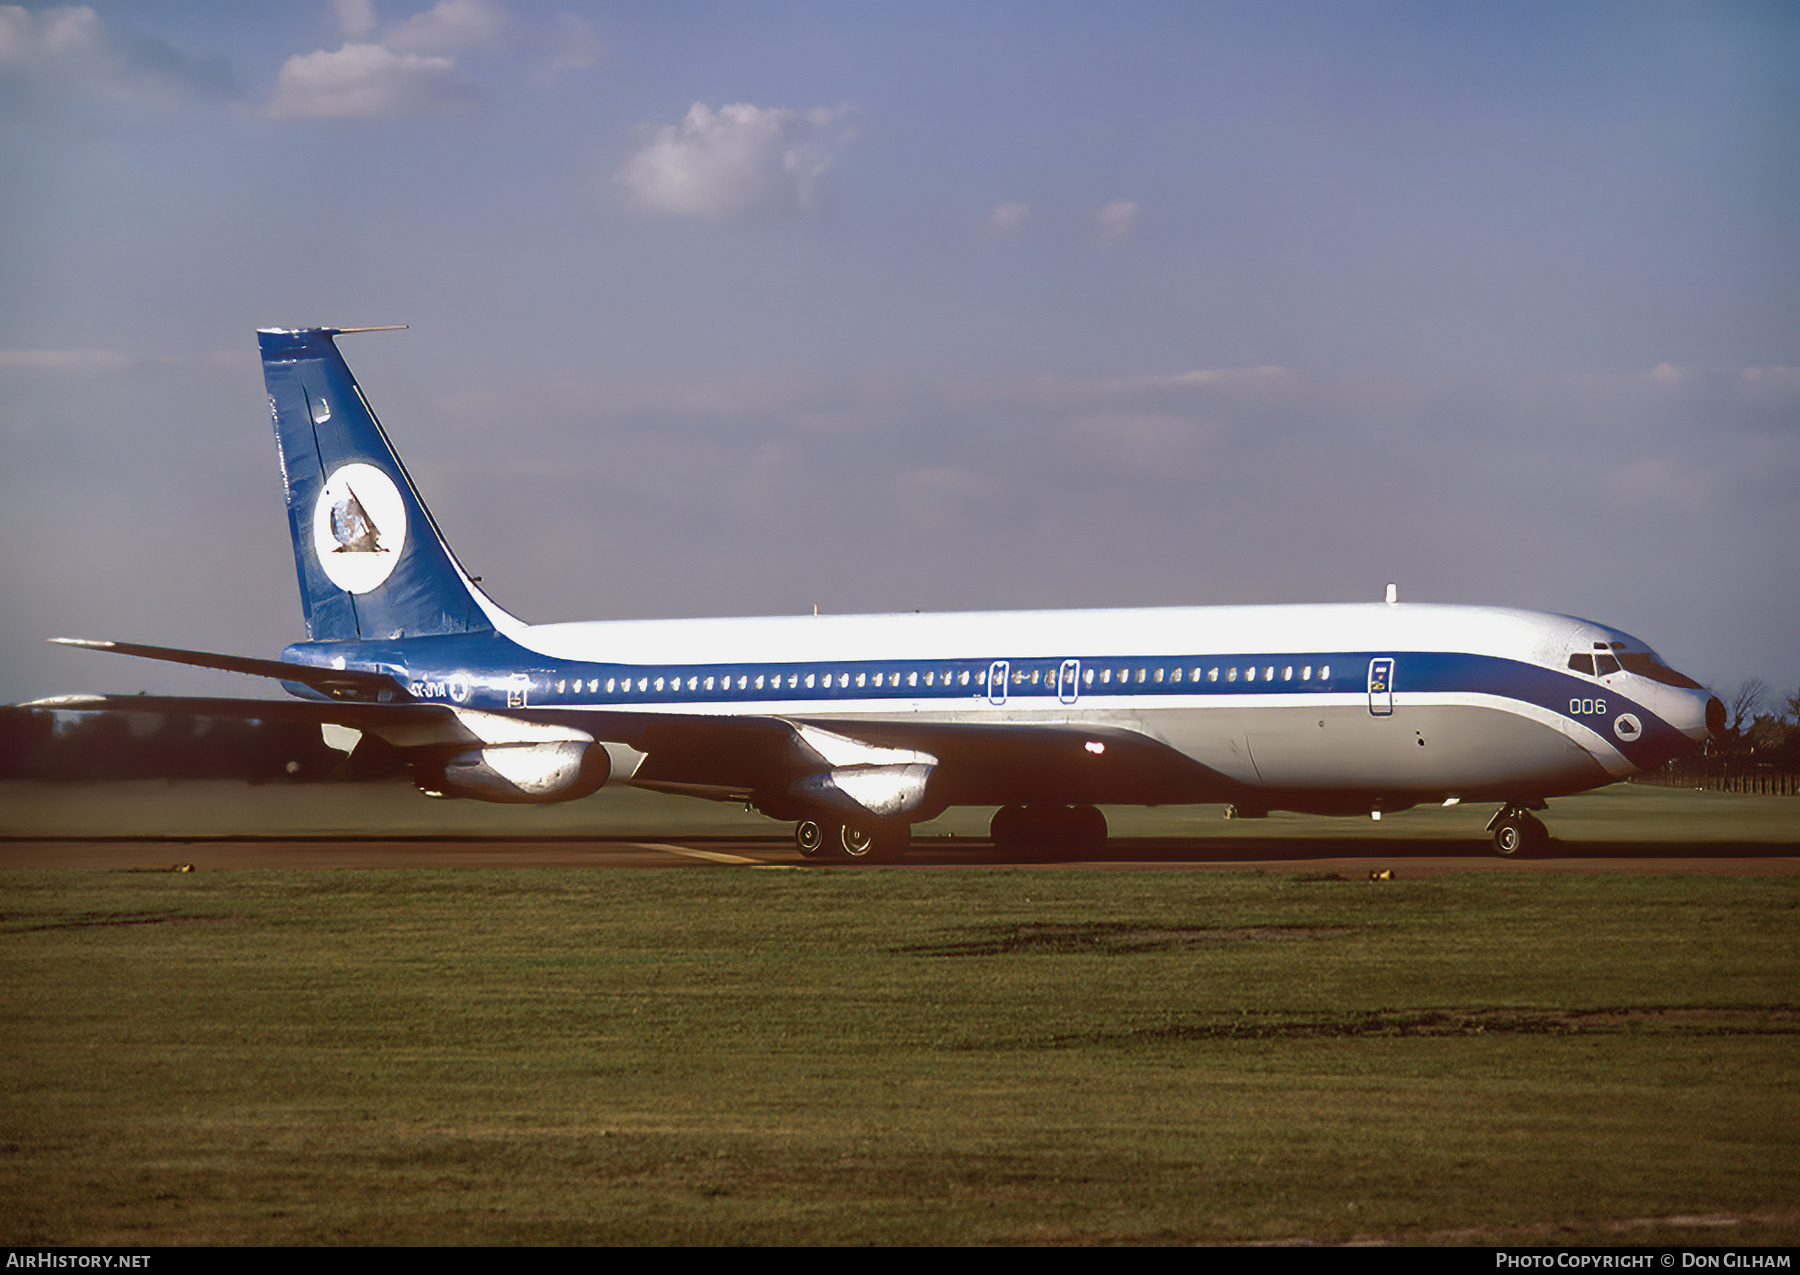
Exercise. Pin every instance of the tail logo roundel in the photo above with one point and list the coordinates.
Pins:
(359, 527)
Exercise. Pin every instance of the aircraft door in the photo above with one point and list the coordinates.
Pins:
(1068, 681)
(997, 675)
(1381, 686)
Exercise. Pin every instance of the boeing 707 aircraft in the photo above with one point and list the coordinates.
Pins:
(854, 728)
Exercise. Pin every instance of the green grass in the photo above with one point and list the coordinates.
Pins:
(985, 1056)
(1623, 813)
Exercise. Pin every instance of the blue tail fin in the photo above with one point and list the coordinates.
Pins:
(371, 560)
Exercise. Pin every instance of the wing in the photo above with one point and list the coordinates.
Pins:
(340, 684)
(908, 769)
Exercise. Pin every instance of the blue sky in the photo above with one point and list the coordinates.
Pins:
(739, 309)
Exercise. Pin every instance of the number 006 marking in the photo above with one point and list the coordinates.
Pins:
(1587, 708)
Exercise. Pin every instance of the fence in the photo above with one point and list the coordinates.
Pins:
(1765, 782)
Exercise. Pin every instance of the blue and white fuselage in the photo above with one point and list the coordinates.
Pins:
(1340, 707)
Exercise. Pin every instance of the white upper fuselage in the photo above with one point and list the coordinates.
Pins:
(1138, 631)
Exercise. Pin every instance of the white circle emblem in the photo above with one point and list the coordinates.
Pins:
(359, 527)
(1627, 727)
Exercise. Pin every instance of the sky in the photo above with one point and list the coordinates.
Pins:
(736, 309)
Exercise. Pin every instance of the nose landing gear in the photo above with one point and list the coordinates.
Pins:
(1517, 832)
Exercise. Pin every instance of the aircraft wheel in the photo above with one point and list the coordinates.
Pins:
(809, 838)
(1519, 833)
(1010, 827)
(877, 843)
(1065, 831)
(1048, 828)
(1088, 826)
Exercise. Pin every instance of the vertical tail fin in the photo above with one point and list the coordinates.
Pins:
(371, 561)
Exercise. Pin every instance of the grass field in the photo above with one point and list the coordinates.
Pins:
(736, 1055)
(1621, 814)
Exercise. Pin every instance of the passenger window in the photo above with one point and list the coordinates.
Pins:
(1231, 674)
(1212, 674)
(1159, 676)
(964, 679)
(1325, 672)
(1087, 677)
(1287, 673)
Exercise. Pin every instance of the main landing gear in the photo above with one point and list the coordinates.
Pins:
(1517, 832)
(1061, 828)
(857, 843)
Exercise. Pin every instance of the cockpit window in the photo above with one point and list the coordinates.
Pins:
(1604, 664)
(1582, 664)
(1644, 664)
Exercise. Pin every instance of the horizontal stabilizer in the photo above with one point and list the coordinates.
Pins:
(339, 684)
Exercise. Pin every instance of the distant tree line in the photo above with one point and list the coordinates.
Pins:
(46, 744)
(1759, 750)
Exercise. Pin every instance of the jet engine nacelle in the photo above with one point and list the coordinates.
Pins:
(526, 773)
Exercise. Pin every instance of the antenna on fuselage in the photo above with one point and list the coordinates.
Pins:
(1393, 593)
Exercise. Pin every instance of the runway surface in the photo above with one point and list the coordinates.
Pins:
(1349, 858)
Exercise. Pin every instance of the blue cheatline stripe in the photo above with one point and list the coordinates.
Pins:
(491, 672)
(490, 664)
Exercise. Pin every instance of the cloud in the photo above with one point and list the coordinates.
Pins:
(53, 33)
(574, 47)
(355, 18)
(368, 82)
(1117, 221)
(448, 26)
(68, 55)
(1007, 218)
(63, 362)
(407, 71)
(741, 161)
